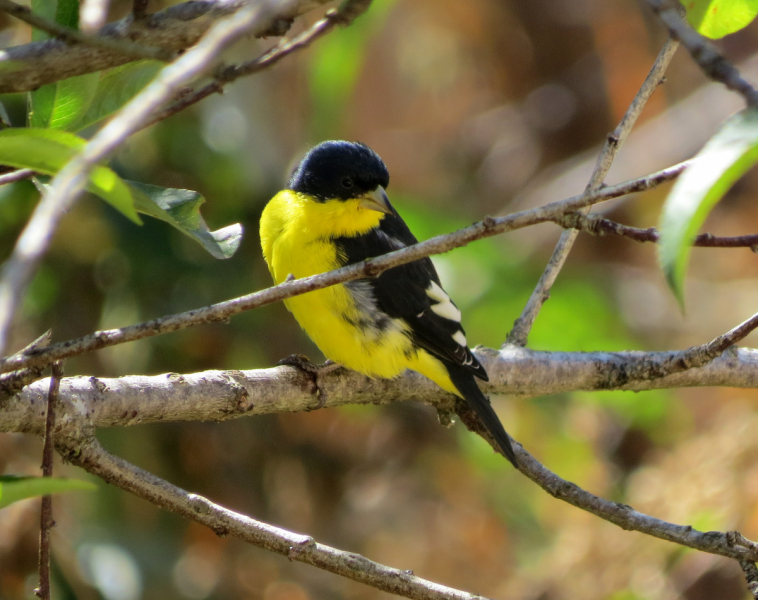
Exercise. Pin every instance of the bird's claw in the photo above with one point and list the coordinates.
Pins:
(314, 373)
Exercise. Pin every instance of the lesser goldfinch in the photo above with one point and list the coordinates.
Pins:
(335, 212)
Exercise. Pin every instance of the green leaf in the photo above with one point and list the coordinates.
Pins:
(717, 18)
(721, 162)
(115, 88)
(47, 150)
(15, 487)
(181, 209)
(62, 105)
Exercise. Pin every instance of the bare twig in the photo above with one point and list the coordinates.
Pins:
(69, 182)
(122, 46)
(347, 13)
(597, 225)
(15, 381)
(17, 175)
(176, 29)
(371, 268)
(705, 54)
(46, 511)
(91, 456)
(523, 325)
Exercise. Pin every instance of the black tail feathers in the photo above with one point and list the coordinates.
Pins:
(467, 386)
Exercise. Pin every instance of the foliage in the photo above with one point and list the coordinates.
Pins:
(717, 18)
(15, 487)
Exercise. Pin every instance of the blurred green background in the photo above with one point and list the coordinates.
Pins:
(473, 106)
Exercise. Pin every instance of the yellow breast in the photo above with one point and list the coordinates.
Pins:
(296, 235)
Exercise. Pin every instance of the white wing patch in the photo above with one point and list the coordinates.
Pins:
(444, 307)
(460, 338)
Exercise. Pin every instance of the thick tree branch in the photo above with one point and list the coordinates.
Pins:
(91, 456)
(68, 184)
(224, 395)
(224, 310)
(523, 325)
(73, 36)
(25, 68)
(600, 226)
(705, 54)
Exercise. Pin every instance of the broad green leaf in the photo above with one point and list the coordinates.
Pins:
(721, 162)
(62, 105)
(717, 18)
(47, 150)
(15, 487)
(181, 209)
(115, 88)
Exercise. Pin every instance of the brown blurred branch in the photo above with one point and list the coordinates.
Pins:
(597, 225)
(523, 324)
(371, 268)
(92, 457)
(73, 36)
(713, 64)
(175, 29)
(46, 509)
(347, 13)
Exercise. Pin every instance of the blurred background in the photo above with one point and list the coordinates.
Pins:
(478, 107)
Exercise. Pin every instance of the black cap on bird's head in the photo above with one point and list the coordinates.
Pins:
(339, 170)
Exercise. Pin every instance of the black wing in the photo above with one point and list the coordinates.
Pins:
(412, 292)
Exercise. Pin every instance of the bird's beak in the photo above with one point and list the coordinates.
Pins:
(376, 200)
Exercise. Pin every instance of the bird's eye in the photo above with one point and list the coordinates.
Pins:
(347, 182)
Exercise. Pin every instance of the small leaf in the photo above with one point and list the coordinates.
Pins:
(181, 209)
(15, 487)
(721, 162)
(717, 18)
(115, 88)
(47, 150)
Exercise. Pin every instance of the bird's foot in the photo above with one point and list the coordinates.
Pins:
(313, 372)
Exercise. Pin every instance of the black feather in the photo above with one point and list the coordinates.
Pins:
(480, 404)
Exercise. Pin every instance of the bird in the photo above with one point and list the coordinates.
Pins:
(335, 212)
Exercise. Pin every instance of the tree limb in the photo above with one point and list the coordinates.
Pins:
(371, 268)
(713, 64)
(27, 67)
(74, 36)
(92, 457)
(224, 395)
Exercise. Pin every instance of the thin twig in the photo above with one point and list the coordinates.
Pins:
(523, 325)
(70, 181)
(371, 268)
(713, 64)
(125, 47)
(91, 456)
(347, 13)
(46, 511)
(600, 226)
(17, 175)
